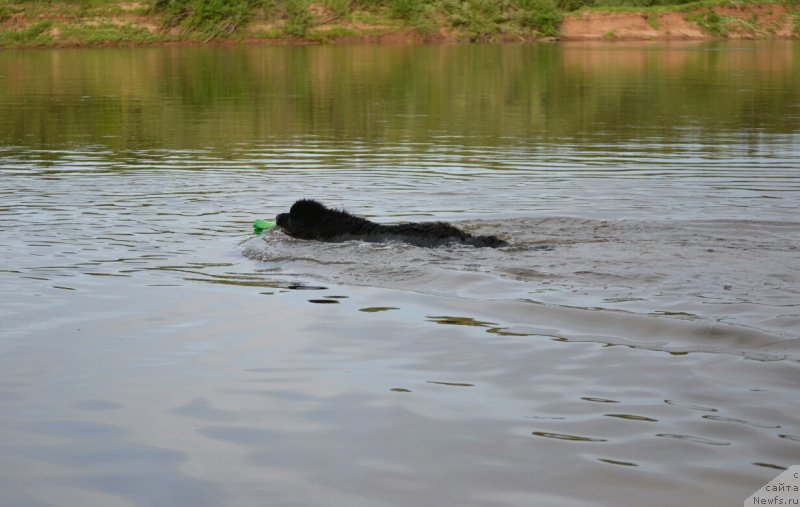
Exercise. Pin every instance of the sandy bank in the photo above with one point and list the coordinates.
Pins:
(739, 22)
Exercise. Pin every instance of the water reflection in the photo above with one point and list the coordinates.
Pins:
(228, 98)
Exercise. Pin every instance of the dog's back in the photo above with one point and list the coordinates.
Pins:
(442, 233)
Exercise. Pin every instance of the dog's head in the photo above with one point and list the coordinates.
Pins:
(302, 219)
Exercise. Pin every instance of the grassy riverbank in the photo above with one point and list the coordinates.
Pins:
(57, 23)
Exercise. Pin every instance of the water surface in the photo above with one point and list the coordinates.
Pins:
(155, 352)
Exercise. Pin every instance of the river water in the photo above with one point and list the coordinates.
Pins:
(637, 344)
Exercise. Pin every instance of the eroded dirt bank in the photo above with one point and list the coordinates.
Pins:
(739, 22)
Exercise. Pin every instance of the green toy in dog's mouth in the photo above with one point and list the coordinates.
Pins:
(262, 225)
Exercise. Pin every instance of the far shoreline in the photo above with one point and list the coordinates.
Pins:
(134, 25)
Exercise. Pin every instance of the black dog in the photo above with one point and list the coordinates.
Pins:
(309, 219)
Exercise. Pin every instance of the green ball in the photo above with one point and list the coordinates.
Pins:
(262, 224)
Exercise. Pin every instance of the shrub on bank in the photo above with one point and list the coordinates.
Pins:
(211, 18)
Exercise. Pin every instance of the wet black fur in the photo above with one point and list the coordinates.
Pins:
(309, 219)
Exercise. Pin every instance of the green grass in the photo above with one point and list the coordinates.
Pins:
(340, 8)
(298, 18)
(37, 34)
(543, 16)
(712, 23)
(486, 19)
(271, 33)
(407, 9)
(630, 6)
(330, 34)
(6, 11)
(40, 33)
(478, 19)
(719, 25)
(376, 18)
(106, 33)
